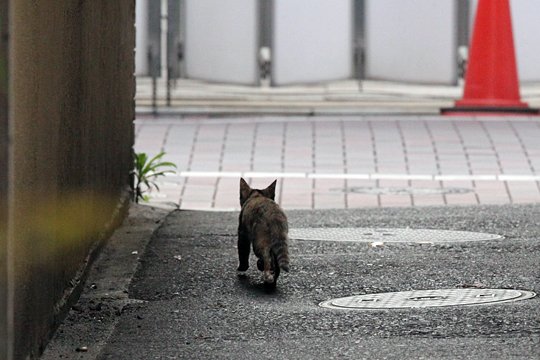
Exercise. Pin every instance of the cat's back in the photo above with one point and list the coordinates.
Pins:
(261, 210)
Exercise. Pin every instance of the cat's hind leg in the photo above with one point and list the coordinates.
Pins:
(243, 252)
(275, 268)
(268, 273)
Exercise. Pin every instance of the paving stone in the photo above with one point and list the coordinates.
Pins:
(476, 150)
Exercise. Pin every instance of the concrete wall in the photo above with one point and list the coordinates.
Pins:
(3, 177)
(71, 111)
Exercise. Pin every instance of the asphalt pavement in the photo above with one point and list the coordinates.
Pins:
(165, 286)
(185, 300)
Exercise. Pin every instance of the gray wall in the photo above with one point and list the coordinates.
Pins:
(71, 91)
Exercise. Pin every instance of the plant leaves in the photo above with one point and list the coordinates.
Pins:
(147, 169)
(152, 162)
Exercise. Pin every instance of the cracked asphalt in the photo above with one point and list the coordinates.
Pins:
(188, 303)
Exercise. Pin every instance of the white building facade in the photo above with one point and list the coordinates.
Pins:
(312, 41)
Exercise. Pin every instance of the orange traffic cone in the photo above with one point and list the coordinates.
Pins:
(491, 81)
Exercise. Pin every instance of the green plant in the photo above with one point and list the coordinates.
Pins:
(145, 173)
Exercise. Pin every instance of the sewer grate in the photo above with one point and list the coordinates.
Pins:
(427, 298)
(388, 235)
(371, 190)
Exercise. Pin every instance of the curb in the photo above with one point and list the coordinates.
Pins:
(91, 321)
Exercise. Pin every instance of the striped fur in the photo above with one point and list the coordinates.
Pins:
(262, 225)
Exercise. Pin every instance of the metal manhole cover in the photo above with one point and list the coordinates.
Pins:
(427, 298)
(388, 235)
(370, 190)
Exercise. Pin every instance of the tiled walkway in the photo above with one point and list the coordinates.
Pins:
(346, 162)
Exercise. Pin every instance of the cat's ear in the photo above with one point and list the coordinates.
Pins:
(244, 191)
(270, 191)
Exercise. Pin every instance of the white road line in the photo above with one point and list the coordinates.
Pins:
(400, 177)
(338, 176)
(518, 177)
(482, 177)
(355, 176)
(210, 174)
(276, 175)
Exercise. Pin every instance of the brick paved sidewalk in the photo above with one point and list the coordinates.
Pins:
(348, 161)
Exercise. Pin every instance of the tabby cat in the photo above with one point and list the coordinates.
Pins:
(263, 225)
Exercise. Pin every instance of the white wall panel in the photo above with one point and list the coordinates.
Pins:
(526, 27)
(221, 40)
(312, 41)
(141, 37)
(412, 41)
(526, 24)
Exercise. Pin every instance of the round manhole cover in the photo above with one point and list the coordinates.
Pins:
(370, 190)
(388, 235)
(427, 298)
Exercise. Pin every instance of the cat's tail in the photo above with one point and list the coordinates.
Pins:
(281, 253)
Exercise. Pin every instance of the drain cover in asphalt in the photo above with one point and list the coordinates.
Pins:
(427, 298)
(388, 235)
